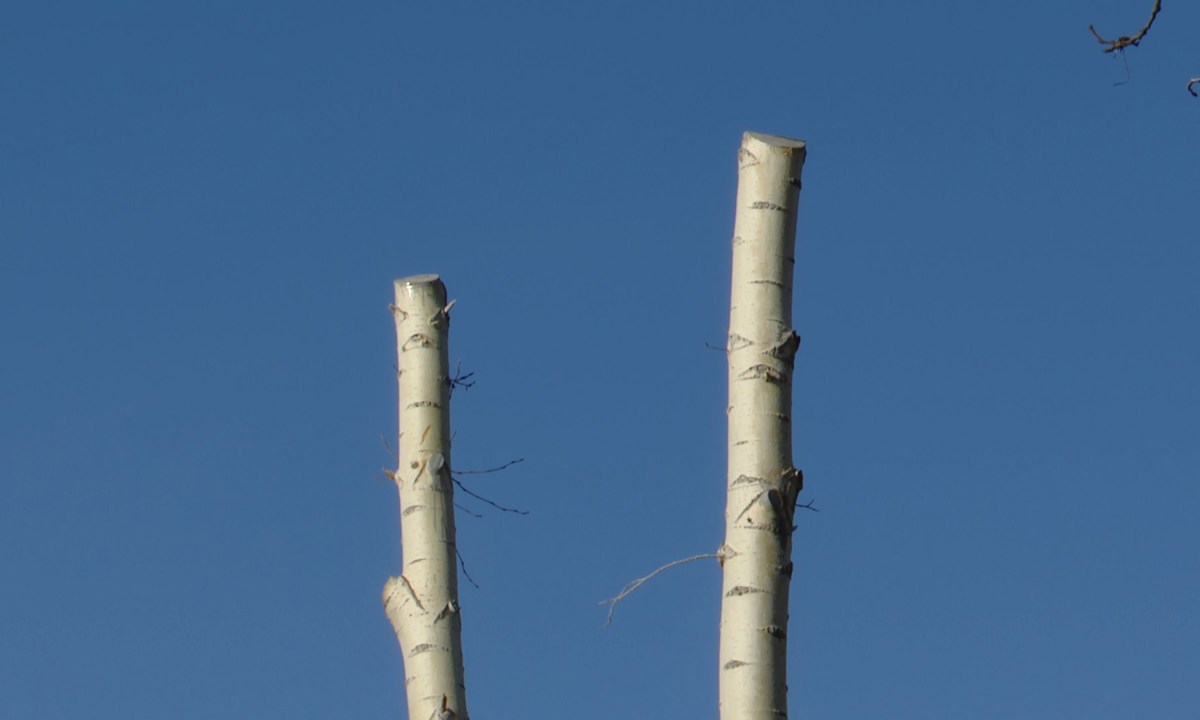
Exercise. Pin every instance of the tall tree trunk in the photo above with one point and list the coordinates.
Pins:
(422, 603)
(762, 482)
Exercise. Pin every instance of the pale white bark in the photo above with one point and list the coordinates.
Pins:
(762, 483)
(422, 603)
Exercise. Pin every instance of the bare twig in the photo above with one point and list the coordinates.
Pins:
(1128, 74)
(1125, 41)
(510, 463)
(390, 451)
(477, 496)
(628, 589)
(463, 565)
(459, 380)
(472, 513)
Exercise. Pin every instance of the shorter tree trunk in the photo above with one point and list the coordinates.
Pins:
(422, 603)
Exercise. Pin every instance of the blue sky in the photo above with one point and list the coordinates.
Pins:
(202, 208)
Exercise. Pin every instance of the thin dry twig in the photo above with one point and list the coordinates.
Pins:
(464, 508)
(387, 447)
(477, 496)
(628, 589)
(463, 566)
(460, 380)
(1125, 41)
(510, 463)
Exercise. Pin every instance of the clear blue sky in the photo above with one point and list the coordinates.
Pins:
(202, 208)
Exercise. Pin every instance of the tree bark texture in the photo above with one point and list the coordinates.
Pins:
(762, 482)
(422, 603)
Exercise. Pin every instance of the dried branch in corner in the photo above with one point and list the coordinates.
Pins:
(1125, 41)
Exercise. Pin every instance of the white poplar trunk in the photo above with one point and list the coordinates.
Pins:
(422, 603)
(762, 482)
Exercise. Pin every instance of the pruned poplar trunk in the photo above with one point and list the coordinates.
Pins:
(422, 603)
(762, 482)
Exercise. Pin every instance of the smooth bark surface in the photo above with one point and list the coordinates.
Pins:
(422, 603)
(762, 482)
